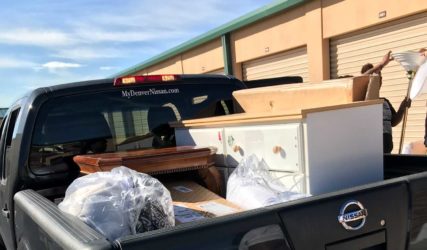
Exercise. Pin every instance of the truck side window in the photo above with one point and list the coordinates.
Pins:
(2, 139)
(9, 132)
(3, 132)
(61, 134)
(2, 122)
(11, 127)
(2, 128)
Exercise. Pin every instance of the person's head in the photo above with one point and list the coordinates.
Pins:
(369, 66)
(366, 67)
(95, 146)
(99, 146)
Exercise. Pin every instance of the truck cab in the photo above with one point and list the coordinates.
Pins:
(43, 130)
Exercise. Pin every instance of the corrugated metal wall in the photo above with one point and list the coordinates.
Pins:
(349, 53)
(290, 63)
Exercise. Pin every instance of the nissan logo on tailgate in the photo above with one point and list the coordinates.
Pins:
(352, 215)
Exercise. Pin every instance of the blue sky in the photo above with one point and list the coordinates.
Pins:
(45, 42)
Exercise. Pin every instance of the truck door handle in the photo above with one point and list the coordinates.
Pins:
(5, 212)
(267, 237)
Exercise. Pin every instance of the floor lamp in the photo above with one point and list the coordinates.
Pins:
(410, 61)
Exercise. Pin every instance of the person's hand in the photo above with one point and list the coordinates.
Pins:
(423, 52)
(386, 59)
(406, 102)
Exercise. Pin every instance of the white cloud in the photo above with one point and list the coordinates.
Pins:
(104, 52)
(135, 26)
(104, 34)
(170, 15)
(60, 65)
(87, 53)
(99, 35)
(37, 81)
(166, 19)
(82, 34)
(108, 68)
(26, 36)
(11, 63)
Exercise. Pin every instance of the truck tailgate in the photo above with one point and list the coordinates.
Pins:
(310, 223)
(394, 217)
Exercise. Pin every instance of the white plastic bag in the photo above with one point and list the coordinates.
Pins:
(119, 203)
(252, 186)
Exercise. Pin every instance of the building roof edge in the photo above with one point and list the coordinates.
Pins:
(233, 25)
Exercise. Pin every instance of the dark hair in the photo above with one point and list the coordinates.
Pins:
(95, 146)
(366, 67)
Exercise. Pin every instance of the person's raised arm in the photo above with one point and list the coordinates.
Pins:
(377, 68)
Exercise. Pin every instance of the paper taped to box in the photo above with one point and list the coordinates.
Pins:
(193, 202)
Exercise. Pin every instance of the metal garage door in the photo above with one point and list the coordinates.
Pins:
(290, 63)
(350, 52)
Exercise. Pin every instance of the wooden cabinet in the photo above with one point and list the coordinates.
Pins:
(280, 145)
(157, 162)
(318, 151)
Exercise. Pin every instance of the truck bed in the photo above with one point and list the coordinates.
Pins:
(309, 223)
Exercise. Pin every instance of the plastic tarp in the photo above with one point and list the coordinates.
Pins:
(119, 203)
(252, 186)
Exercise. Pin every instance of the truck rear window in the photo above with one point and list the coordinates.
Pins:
(118, 120)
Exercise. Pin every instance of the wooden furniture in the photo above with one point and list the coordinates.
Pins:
(292, 98)
(158, 161)
(314, 151)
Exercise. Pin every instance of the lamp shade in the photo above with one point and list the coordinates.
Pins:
(419, 84)
(409, 60)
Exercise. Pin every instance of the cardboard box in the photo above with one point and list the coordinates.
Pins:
(292, 98)
(193, 202)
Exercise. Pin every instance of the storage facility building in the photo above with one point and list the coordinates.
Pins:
(314, 39)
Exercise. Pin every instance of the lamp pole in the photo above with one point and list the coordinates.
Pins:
(410, 74)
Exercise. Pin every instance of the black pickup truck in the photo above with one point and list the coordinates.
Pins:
(45, 129)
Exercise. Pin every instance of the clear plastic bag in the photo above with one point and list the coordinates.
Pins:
(119, 203)
(252, 186)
